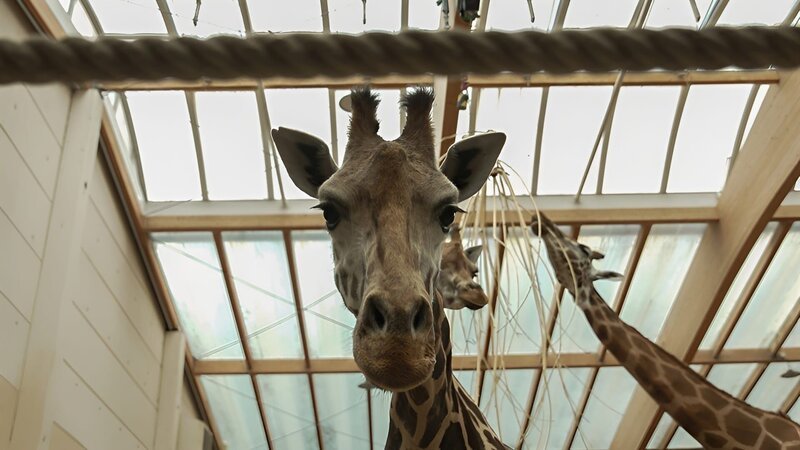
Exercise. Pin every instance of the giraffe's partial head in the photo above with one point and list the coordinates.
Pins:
(388, 210)
(459, 267)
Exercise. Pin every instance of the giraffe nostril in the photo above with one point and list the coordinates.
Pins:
(421, 318)
(377, 317)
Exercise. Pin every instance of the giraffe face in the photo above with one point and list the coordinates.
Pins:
(456, 282)
(388, 210)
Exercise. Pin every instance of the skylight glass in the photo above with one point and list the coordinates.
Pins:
(273, 15)
(301, 109)
(553, 412)
(329, 324)
(289, 411)
(166, 145)
(735, 291)
(194, 277)
(609, 399)
(675, 14)
(599, 13)
(639, 138)
(232, 147)
(572, 121)
(342, 408)
(347, 16)
(388, 116)
(261, 277)
(666, 257)
(215, 17)
(503, 400)
(774, 298)
(515, 16)
(771, 390)
(746, 12)
(82, 22)
(705, 138)
(424, 15)
(235, 410)
(129, 17)
(762, 92)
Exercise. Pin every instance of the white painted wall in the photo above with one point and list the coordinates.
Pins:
(104, 388)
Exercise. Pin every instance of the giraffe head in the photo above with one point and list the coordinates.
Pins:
(456, 282)
(388, 210)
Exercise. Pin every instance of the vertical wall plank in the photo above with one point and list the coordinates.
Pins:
(170, 399)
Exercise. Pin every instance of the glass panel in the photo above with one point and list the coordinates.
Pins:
(771, 390)
(166, 145)
(261, 275)
(793, 340)
(424, 15)
(705, 138)
(773, 299)
(515, 111)
(514, 16)
(329, 324)
(759, 100)
(735, 291)
(503, 400)
(599, 13)
(665, 259)
(557, 399)
(381, 401)
(233, 405)
(388, 116)
(343, 416)
(129, 17)
(273, 15)
(663, 427)
(572, 332)
(287, 405)
(347, 16)
(794, 413)
(610, 395)
(216, 17)
(571, 125)
(82, 22)
(746, 12)
(730, 377)
(232, 149)
(312, 117)
(467, 380)
(682, 439)
(674, 14)
(191, 268)
(637, 147)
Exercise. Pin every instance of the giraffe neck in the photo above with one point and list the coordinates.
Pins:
(439, 413)
(710, 415)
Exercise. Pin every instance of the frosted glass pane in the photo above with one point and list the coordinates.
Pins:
(663, 427)
(572, 121)
(166, 145)
(730, 377)
(381, 401)
(682, 439)
(748, 12)
(665, 259)
(233, 405)
(274, 16)
(82, 22)
(554, 408)
(216, 17)
(599, 13)
(503, 401)
(388, 116)
(637, 147)
(312, 117)
(515, 16)
(759, 100)
(287, 405)
(793, 340)
(343, 415)
(794, 413)
(129, 17)
(675, 14)
(347, 16)
(232, 148)
(514, 111)
(771, 390)
(192, 271)
(468, 380)
(329, 324)
(424, 15)
(572, 332)
(609, 399)
(735, 291)
(773, 299)
(261, 276)
(705, 139)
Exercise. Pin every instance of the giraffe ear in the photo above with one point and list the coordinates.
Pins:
(306, 158)
(470, 161)
(473, 253)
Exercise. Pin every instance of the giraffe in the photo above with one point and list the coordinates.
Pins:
(388, 210)
(714, 418)
(457, 271)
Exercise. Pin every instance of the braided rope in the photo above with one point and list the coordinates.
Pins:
(408, 53)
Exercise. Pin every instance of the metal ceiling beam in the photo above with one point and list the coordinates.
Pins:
(765, 172)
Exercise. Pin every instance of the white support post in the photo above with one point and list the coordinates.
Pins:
(169, 396)
(33, 418)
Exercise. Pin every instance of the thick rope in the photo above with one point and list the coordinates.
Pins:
(408, 53)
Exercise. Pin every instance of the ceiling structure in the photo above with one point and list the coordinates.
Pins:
(234, 251)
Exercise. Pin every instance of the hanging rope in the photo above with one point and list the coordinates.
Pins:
(408, 53)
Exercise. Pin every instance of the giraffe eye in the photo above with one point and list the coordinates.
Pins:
(447, 216)
(331, 215)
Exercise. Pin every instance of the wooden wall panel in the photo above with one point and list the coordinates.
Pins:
(13, 341)
(60, 439)
(19, 266)
(8, 406)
